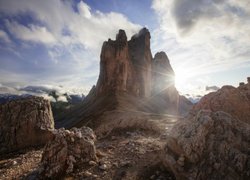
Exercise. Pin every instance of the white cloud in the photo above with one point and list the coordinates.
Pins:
(62, 99)
(202, 37)
(43, 91)
(220, 26)
(64, 24)
(72, 34)
(4, 36)
(31, 33)
(84, 10)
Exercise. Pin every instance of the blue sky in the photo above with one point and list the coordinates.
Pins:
(57, 43)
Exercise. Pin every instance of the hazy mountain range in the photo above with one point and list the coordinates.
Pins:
(64, 95)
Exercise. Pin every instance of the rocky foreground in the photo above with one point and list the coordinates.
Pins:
(25, 122)
(139, 130)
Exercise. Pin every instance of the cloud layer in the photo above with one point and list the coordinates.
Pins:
(65, 23)
(204, 36)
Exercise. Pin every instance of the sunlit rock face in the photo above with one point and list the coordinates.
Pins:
(209, 145)
(162, 72)
(163, 86)
(24, 123)
(235, 101)
(126, 65)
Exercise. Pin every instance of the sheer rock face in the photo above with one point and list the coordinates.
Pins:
(66, 151)
(126, 65)
(128, 81)
(235, 101)
(141, 57)
(163, 81)
(24, 123)
(210, 145)
(163, 74)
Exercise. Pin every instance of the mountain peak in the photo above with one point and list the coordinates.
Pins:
(121, 36)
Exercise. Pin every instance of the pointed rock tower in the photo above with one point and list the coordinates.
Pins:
(130, 80)
(126, 65)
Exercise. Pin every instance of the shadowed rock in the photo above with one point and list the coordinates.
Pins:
(24, 123)
(126, 65)
(209, 145)
(235, 101)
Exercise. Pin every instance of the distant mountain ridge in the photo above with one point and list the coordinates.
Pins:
(60, 101)
(10, 97)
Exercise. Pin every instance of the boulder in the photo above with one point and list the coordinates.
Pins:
(209, 145)
(235, 101)
(24, 123)
(67, 150)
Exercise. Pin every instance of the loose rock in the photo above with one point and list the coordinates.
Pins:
(61, 155)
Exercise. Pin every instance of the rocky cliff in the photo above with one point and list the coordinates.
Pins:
(162, 73)
(164, 92)
(235, 101)
(25, 122)
(129, 80)
(213, 141)
(126, 65)
(208, 145)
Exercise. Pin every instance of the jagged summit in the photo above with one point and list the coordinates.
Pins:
(163, 73)
(143, 32)
(125, 66)
(162, 58)
(129, 80)
(121, 36)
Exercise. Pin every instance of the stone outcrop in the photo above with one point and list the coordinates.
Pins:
(25, 122)
(163, 74)
(67, 150)
(163, 78)
(129, 80)
(126, 65)
(210, 145)
(141, 57)
(235, 101)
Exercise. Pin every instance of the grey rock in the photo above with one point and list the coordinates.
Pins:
(61, 155)
(209, 145)
(24, 123)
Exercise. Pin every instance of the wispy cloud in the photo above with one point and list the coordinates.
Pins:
(31, 33)
(65, 24)
(4, 36)
(71, 34)
(203, 37)
(217, 29)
